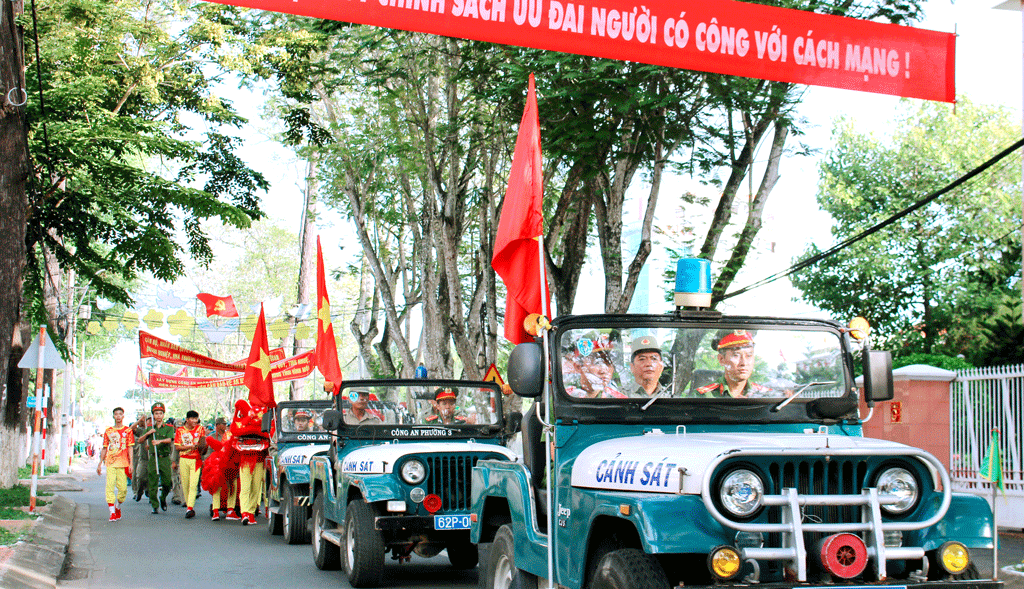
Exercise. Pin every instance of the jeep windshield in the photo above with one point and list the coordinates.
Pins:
(741, 364)
(420, 409)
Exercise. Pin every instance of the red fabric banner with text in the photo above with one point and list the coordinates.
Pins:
(723, 36)
(151, 346)
(292, 368)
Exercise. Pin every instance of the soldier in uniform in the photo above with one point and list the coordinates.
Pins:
(301, 420)
(140, 464)
(444, 405)
(736, 356)
(160, 439)
(646, 365)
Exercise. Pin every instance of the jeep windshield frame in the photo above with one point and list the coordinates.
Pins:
(790, 355)
(405, 410)
(287, 433)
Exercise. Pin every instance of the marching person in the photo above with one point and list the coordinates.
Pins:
(160, 439)
(140, 458)
(219, 505)
(188, 439)
(117, 453)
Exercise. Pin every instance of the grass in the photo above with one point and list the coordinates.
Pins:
(18, 496)
(25, 472)
(8, 538)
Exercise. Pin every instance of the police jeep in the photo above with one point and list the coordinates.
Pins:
(397, 476)
(723, 472)
(298, 435)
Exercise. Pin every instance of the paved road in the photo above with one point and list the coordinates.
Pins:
(167, 551)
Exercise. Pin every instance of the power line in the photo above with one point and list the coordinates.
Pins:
(879, 226)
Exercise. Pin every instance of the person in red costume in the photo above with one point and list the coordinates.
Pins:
(245, 453)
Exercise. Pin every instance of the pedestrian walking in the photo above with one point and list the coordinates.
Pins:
(160, 439)
(187, 441)
(117, 453)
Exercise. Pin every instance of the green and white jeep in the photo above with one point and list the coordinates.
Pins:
(699, 449)
(298, 435)
(397, 476)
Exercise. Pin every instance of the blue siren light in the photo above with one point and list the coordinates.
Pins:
(693, 283)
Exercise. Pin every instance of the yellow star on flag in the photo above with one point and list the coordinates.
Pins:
(324, 315)
(263, 364)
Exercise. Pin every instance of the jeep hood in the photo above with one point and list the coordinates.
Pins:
(381, 458)
(651, 463)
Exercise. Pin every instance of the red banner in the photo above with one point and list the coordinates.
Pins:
(723, 37)
(151, 346)
(292, 368)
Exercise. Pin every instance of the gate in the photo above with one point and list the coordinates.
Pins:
(982, 399)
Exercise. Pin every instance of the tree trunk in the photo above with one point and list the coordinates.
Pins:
(307, 264)
(14, 171)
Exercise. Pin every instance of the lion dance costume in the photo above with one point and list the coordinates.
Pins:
(240, 460)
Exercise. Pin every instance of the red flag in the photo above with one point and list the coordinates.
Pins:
(257, 368)
(326, 349)
(140, 379)
(220, 306)
(516, 247)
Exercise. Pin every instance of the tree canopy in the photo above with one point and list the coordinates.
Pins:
(943, 279)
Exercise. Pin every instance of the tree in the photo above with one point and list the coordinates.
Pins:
(933, 281)
(130, 154)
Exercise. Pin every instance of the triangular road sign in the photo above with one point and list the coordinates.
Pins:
(51, 357)
(493, 375)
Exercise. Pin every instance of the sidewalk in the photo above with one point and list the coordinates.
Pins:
(38, 560)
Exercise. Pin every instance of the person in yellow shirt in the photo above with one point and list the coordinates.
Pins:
(117, 454)
(187, 441)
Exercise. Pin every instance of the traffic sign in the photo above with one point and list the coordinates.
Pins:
(31, 402)
(493, 375)
(51, 357)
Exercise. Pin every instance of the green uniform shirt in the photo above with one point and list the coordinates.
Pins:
(164, 432)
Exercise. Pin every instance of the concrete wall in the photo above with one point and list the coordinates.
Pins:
(918, 414)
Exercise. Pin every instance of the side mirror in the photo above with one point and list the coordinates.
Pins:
(515, 423)
(331, 420)
(267, 422)
(526, 370)
(877, 376)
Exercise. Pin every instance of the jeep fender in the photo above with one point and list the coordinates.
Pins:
(968, 520)
(372, 488)
(501, 488)
(321, 482)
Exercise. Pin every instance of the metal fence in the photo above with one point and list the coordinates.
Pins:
(982, 399)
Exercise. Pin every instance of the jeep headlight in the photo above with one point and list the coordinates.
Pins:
(413, 472)
(898, 482)
(741, 492)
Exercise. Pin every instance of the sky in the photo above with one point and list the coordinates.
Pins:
(988, 70)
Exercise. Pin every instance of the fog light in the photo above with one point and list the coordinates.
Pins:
(843, 555)
(396, 506)
(724, 563)
(954, 557)
(432, 503)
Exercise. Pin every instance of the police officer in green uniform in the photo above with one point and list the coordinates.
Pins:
(444, 405)
(736, 356)
(160, 437)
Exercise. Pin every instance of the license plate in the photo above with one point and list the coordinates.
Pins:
(451, 522)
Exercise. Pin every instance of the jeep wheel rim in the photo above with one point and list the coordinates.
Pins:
(503, 573)
(350, 544)
(286, 500)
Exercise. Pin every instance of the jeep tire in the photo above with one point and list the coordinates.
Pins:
(500, 570)
(273, 519)
(463, 555)
(326, 556)
(295, 520)
(364, 546)
(628, 568)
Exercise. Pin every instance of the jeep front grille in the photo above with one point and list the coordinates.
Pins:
(450, 478)
(814, 495)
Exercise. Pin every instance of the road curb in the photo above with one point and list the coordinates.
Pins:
(37, 561)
